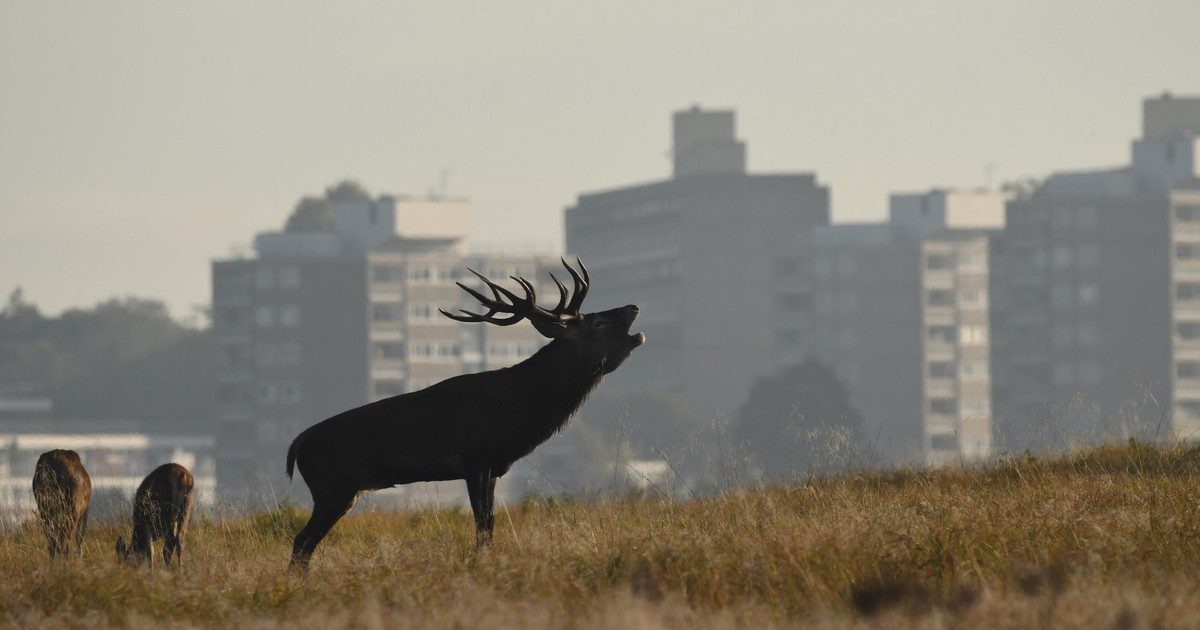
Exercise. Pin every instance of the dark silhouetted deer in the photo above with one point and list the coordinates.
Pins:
(63, 492)
(470, 427)
(161, 508)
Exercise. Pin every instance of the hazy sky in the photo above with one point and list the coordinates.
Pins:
(138, 141)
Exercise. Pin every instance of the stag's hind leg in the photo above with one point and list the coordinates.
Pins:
(328, 509)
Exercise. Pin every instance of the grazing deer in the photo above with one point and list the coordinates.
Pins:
(470, 427)
(161, 508)
(63, 492)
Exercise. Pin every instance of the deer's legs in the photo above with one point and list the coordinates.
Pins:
(481, 489)
(327, 510)
(80, 529)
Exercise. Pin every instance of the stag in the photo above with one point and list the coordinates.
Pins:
(63, 492)
(161, 508)
(470, 427)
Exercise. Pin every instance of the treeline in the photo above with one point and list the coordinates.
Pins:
(123, 359)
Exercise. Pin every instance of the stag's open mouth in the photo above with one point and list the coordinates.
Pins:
(637, 339)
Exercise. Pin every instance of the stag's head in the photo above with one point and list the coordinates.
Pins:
(602, 339)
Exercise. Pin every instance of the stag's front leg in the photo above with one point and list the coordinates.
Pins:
(478, 485)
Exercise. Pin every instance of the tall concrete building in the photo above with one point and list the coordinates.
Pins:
(320, 322)
(900, 311)
(1094, 303)
(715, 258)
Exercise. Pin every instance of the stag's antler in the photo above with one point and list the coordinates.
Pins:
(504, 302)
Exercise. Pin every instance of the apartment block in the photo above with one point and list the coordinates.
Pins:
(900, 311)
(320, 322)
(715, 258)
(1092, 315)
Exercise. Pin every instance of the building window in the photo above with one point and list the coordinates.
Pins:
(939, 261)
(943, 442)
(383, 273)
(940, 297)
(975, 370)
(1187, 213)
(386, 312)
(266, 393)
(231, 316)
(264, 317)
(941, 334)
(977, 406)
(289, 393)
(289, 315)
(973, 297)
(288, 354)
(1187, 251)
(1088, 333)
(972, 261)
(389, 350)
(422, 311)
(237, 357)
(943, 406)
(289, 277)
(1188, 369)
(265, 353)
(973, 334)
(941, 369)
(419, 274)
(1187, 291)
(1089, 294)
(1088, 256)
(1061, 256)
(1063, 335)
(264, 278)
(1061, 296)
(388, 387)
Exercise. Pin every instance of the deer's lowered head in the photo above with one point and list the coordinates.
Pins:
(602, 340)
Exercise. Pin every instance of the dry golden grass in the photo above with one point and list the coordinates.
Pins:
(1105, 538)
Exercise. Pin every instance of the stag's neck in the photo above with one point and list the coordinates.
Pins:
(550, 386)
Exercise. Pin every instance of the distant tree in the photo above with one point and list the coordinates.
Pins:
(123, 358)
(312, 214)
(791, 420)
(1021, 188)
(347, 190)
(650, 422)
(315, 214)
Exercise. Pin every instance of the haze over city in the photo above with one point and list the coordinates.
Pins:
(138, 142)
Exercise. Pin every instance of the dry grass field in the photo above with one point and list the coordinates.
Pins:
(1104, 538)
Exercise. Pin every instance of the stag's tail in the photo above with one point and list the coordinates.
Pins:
(293, 452)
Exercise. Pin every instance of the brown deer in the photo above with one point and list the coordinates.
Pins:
(63, 492)
(470, 427)
(161, 508)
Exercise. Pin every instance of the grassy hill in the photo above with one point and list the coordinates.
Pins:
(1104, 538)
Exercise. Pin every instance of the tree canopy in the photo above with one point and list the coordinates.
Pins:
(790, 421)
(123, 358)
(315, 214)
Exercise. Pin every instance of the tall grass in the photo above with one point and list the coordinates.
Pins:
(1108, 536)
